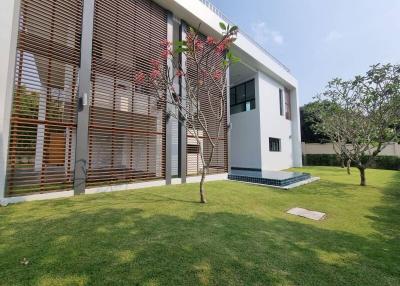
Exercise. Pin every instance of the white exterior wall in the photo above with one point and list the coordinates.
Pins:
(245, 140)
(251, 130)
(245, 135)
(8, 40)
(272, 124)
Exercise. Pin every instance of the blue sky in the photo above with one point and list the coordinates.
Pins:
(321, 39)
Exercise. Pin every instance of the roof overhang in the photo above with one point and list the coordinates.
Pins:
(195, 13)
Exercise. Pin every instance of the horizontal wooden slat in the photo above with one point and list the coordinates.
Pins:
(126, 126)
(43, 119)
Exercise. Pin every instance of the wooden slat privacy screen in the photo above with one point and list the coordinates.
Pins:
(126, 126)
(127, 140)
(43, 117)
(219, 163)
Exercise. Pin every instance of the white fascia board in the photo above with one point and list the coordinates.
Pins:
(263, 61)
(194, 12)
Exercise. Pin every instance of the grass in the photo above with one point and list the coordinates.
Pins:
(162, 236)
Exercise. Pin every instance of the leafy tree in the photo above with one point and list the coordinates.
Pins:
(362, 114)
(309, 134)
(208, 60)
(307, 119)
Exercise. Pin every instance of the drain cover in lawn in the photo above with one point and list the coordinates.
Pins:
(314, 215)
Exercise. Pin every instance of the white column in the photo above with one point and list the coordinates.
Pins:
(170, 108)
(9, 11)
(174, 122)
(296, 135)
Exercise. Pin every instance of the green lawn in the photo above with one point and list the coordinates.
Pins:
(162, 236)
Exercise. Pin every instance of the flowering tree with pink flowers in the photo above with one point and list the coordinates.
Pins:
(200, 65)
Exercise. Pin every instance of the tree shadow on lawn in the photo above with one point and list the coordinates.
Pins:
(386, 220)
(128, 247)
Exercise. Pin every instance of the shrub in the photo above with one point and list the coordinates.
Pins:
(380, 162)
(386, 162)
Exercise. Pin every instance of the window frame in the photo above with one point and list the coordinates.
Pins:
(243, 103)
(275, 144)
(288, 104)
(193, 149)
(281, 102)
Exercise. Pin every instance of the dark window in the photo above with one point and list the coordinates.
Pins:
(288, 104)
(242, 97)
(240, 93)
(238, 108)
(193, 149)
(274, 144)
(281, 102)
(250, 90)
(233, 96)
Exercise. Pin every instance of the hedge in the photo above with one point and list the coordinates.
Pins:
(380, 162)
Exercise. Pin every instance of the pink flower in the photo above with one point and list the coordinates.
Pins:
(165, 43)
(155, 74)
(223, 46)
(155, 64)
(217, 74)
(165, 54)
(227, 42)
(210, 40)
(139, 77)
(199, 44)
(220, 48)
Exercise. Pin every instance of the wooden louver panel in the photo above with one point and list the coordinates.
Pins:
(126, 125)
(219, 164)
(43, 118)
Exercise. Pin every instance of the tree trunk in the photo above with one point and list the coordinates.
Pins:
(203, 199)
(363, 181)
(348, 166)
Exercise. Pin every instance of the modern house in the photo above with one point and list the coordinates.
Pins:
(73, 121)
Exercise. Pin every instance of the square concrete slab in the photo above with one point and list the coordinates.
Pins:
(314, 215)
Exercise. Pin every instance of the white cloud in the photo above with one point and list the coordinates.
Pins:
(333, 36)
(264, 35)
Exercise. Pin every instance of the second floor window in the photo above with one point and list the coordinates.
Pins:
(288, 105)
(280, 102)
(242, 97)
